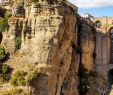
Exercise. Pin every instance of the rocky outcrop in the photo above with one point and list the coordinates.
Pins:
(87, 43)
(49, 40)
(56, 41)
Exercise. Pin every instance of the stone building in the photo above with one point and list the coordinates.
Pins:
(87, 16)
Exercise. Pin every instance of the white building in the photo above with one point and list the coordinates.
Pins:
(87, 16)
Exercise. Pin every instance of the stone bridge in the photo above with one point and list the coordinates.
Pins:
(104, 44)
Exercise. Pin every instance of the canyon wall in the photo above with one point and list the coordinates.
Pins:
(56, 41)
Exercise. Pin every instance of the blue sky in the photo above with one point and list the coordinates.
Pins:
(97, 8)
(98, 12)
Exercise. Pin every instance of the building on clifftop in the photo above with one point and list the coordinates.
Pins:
(87, 16)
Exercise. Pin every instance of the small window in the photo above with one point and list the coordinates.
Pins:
(98, 24)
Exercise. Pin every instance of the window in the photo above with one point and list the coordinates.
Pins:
(98, 24)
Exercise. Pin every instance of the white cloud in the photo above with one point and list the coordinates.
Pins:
(92, 3)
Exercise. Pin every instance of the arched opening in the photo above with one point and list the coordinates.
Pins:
(111, 45)
(110, 76)
(98, 24)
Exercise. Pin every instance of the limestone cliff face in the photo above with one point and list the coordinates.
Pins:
(56, 41)
(48, 33)
(87, 43)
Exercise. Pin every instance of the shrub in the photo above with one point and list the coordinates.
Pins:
(2, 54)
(5, 72)
(18, 43)
(3, 24)
(12, 91)
(18, 78)
(31, 76)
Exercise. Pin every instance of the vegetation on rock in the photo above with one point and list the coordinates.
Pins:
(18, 42)
(2, 54)
(13, 91)
(4, 72)
(4, 23)
(23, 78)
(83, 79)
(31, 76)
(18, 78)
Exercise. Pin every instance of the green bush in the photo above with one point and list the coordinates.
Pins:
(18, 78)
(18, 43)
(2, 54)
(13, 91)
(5, 72)
(5, 69)
(31, 76)
(3, 24)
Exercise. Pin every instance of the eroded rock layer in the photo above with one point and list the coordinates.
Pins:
(49, 38)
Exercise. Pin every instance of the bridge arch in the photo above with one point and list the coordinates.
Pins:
(109, 28)
(110, 40)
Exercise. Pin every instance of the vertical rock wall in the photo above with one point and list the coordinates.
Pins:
(49, 38)
(54, 40)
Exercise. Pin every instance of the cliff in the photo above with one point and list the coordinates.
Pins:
(48, 38)
(49, 48)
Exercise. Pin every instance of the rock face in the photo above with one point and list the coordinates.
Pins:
(87, 43)
(49, 39)
(56, 41)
